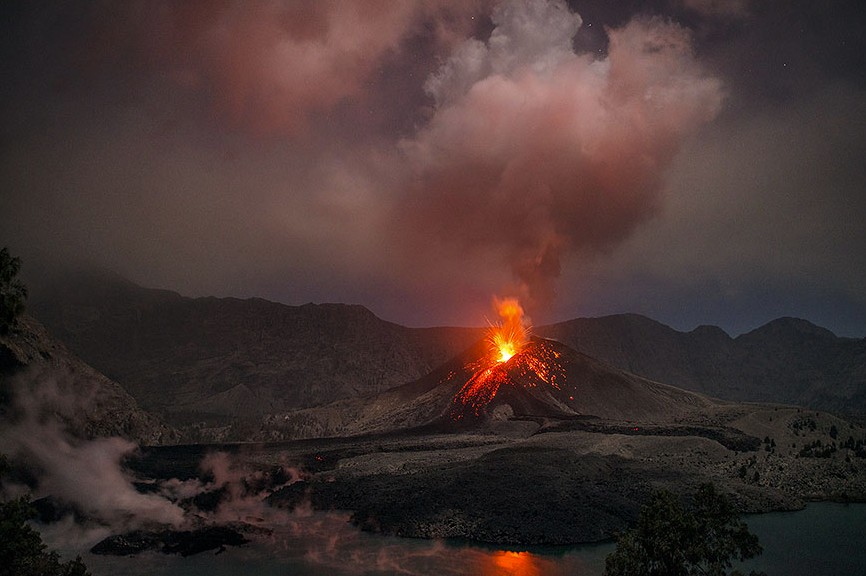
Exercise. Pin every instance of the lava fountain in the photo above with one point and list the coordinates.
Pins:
(512, 358)
(509, 336)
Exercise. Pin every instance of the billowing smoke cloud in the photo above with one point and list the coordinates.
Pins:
(270, 65)
(87, 476)
(534, 150)
(242, 490)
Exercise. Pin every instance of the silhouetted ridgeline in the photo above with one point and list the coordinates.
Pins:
(787, 360)
(218, 358)
(227, 357)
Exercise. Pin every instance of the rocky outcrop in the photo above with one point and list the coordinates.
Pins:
(512, 495)
(42, 380)
(182, 542)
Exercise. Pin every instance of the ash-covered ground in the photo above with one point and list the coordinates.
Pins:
(546, 481)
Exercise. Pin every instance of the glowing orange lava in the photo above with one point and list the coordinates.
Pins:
(512, 359)
(510, 336)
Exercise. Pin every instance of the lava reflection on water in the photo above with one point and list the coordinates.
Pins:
(504, 562)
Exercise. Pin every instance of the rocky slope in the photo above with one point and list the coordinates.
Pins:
(523, 400)
(42, 381)
(558, 486)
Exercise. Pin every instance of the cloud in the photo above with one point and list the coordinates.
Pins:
(133, 141)
(762, 220)
(272, 66)
(534, 150)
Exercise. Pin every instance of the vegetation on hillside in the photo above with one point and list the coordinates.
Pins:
(13, 293)
(22, 552)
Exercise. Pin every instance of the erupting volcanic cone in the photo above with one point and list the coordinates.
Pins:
(513, 362)
(547, 379)
(534, 379)
(534, 369)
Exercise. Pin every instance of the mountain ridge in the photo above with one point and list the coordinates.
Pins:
(219, 359)
(788, 360)
(174, 353)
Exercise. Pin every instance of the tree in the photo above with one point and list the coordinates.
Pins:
(22, 552)
(670, 540)
(12, 292)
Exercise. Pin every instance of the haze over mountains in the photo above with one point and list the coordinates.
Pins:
(229, 357)
(216, 358)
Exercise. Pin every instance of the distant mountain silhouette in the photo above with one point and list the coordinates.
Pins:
(787, 360)
(189, 358)
(219, 358)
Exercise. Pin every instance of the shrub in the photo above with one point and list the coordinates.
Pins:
(12, 292)
(670, 540)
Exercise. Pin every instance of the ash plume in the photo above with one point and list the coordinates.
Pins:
(534, 151)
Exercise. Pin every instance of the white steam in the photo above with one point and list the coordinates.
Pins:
(85, 474)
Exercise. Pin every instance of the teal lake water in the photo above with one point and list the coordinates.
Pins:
(825, 539)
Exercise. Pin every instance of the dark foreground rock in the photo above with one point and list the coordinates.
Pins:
(572, 481)
(185, 543)
(514, 495)
(576, 481)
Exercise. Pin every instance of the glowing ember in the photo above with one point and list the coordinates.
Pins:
(513, 359)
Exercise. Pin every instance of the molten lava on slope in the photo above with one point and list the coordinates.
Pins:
(513, 360)
(535, 380)
(534, 366)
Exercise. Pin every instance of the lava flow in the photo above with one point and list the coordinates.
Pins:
(512, 359)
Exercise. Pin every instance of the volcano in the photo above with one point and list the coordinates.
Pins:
(531, 379)
(506, 449)
(545, 381)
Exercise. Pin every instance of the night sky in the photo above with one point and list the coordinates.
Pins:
(696, 161)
